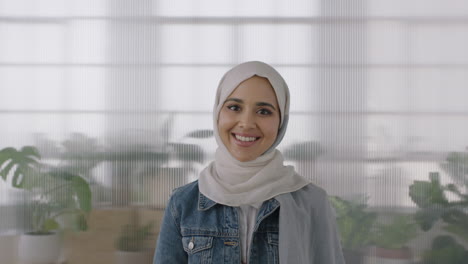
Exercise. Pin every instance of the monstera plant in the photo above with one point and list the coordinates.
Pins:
(54, 192)
(59, 200)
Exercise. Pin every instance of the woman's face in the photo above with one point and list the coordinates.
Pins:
(249, 120)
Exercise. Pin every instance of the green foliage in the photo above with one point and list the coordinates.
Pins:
(430, 196)
(206, 133)
(308, 150)
(395, 234)
(134, 238)
(445, 250)
(55, 193)
(354, 223)
(457, 167)
(18, 164)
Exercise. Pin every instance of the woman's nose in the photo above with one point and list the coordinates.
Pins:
(247, 120)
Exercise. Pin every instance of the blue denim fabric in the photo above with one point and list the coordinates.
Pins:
(196, 229)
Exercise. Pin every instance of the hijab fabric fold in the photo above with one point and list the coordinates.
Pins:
(231, 182)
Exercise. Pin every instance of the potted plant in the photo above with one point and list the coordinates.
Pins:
(132, 243)
(181, 166)
(308, 150)
(304, 154)
(446, 250)
(431, 197)
(355, 225)
(390, 239)
(59, 199)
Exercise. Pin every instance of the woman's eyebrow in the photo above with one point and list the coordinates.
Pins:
(266, 104)
(237, 100)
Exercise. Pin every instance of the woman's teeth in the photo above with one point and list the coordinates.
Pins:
(241, 138)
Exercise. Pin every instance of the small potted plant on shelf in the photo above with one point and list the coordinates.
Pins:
(59, 200)
(434, 205)
(304, 154)
(390, 240)
(431, 197)
(446, 250)
(133, 242)
(355, 224)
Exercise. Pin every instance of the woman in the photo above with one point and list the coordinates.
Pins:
(247, 207)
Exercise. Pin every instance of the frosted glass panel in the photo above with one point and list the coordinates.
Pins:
(45, 8)
(196, 85)
(187, 43)
(418, 8)
(116, 97)
(388, 43)
(289, 43)
(32, 43)
(94, 50)
(242, 8)
(448, 42)
(52, 88)
(420, 90)
(31, 88)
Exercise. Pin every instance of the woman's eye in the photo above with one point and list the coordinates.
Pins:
(264, 112)
(233, 107)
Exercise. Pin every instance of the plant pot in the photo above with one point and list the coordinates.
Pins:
(391, 256)
(353, 257)
(132, 257)
(39, 248)
(8, 244)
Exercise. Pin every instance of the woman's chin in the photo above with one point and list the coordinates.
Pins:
(243, 157)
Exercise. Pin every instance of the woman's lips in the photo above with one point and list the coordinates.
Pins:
(244, 140)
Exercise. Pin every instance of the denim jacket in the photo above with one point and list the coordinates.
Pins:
(196, 230)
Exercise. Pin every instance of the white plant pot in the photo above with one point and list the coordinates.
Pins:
(39, 249)
(8, 244)
(127, 257)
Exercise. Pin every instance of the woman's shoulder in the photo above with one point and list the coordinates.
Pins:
(310, 192)
(187, 191)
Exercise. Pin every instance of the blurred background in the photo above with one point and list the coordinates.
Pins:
(114, 99)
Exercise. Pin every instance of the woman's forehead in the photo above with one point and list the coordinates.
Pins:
(257, 88)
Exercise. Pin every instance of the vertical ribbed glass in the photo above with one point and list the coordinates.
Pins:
(116, 97)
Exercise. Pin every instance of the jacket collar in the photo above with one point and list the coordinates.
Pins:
(204, 203)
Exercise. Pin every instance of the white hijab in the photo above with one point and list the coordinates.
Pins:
(231, 182)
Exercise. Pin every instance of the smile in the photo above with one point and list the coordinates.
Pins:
(244, 138)
(241, 138)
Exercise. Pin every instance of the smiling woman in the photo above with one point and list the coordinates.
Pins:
(249, 121)
(247, 207)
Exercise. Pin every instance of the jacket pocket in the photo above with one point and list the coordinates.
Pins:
(273, 239)
(198, 248)
(273, 242)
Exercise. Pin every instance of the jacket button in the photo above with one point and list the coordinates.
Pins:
(190, 245)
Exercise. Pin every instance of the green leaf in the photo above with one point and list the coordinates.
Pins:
(424, 193)
(50, 224)
(18, 164)
(426, 218)
(445, 250)
(80, 223)
(395, 234)
(458, 230)
(354, 222)
(73, 191)
(83, 193)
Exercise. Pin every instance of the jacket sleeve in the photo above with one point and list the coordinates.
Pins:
(328, 246)
(169, 248)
